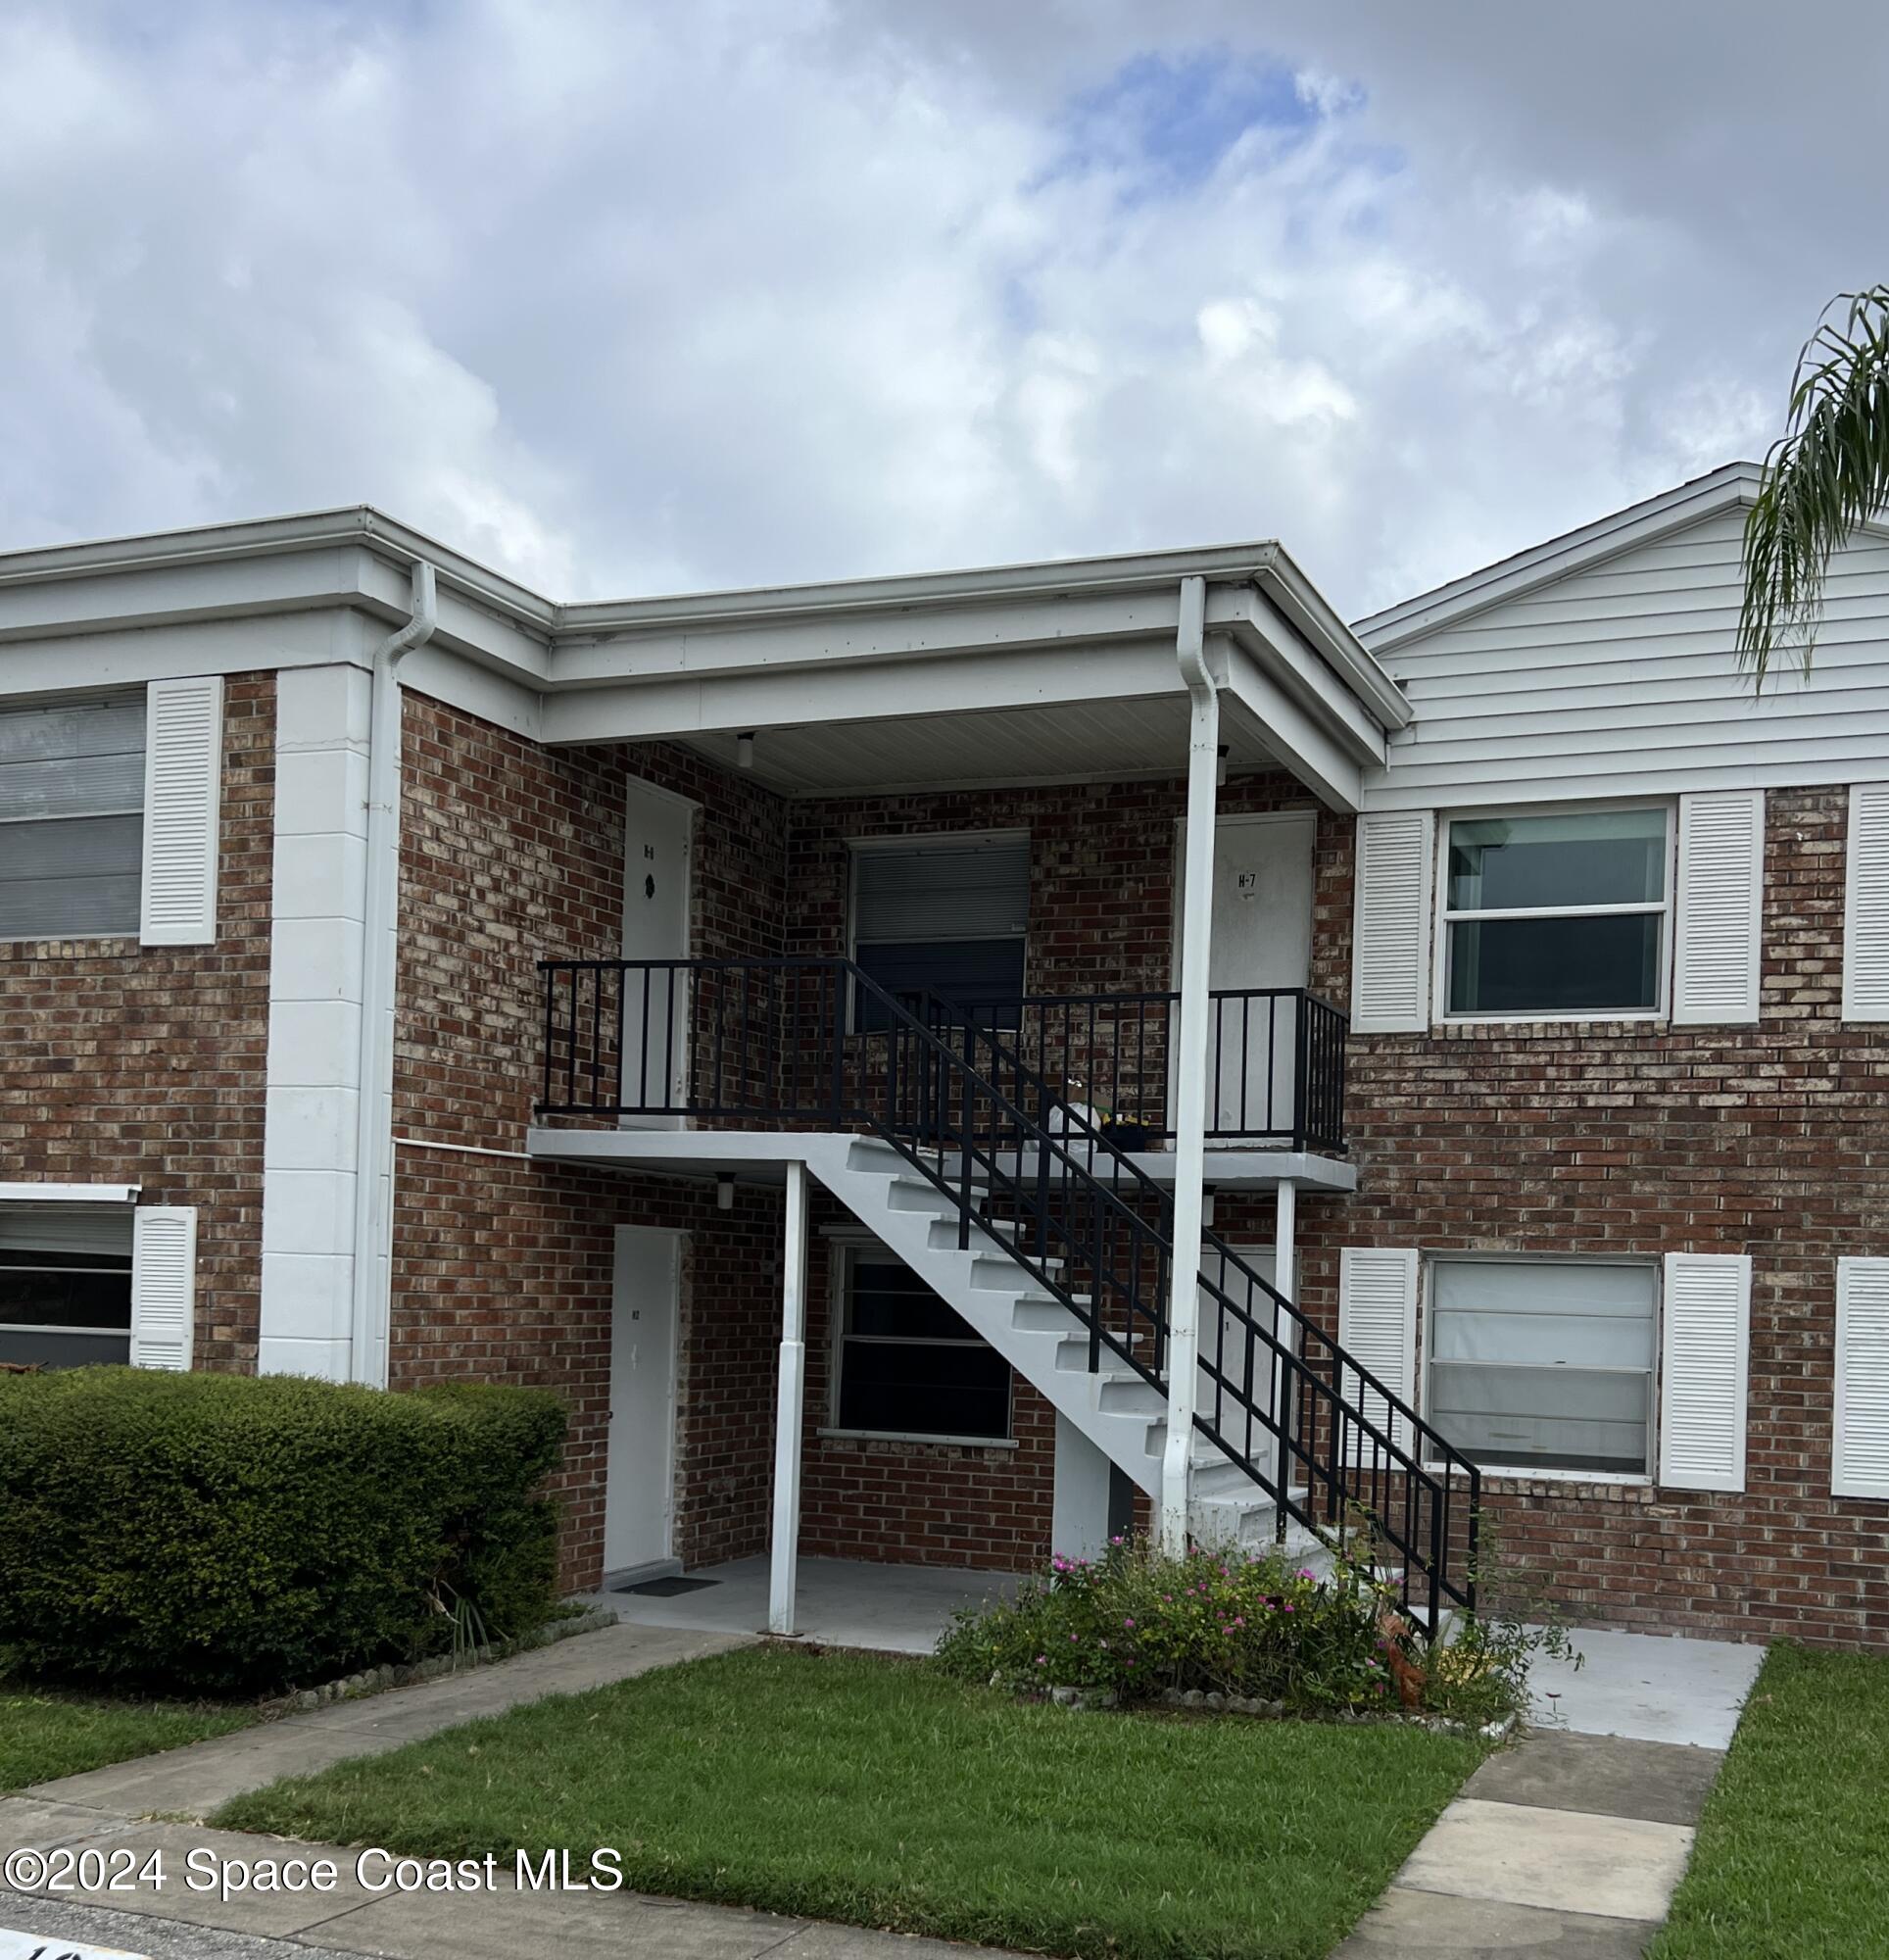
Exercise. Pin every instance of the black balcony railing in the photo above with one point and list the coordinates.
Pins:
(726, 1040)
(1317, 1431)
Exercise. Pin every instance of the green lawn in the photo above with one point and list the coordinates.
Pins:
(876, 1792)
(43, 1735)
(1792, 1857)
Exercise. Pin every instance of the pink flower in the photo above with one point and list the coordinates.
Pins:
(1127, 1623)
(1289, 1605)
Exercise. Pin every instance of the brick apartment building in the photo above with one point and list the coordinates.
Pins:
(798, 1026)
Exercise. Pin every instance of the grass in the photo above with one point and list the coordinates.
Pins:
(45, 1735)
(1792, 1857)
(851, 1787)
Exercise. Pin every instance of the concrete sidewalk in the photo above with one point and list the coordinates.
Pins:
(1569, 1845)
(193, 1781)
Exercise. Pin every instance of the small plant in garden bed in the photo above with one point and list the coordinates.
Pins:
(1138, 1626)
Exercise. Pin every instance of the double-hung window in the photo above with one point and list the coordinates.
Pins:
(1543, 1365)
(1556, 913)
(947, 916)
(908, 1364)
(65, 1285)
(72, 818)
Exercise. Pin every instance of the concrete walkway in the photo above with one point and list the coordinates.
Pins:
(101, 1810)
(1569, 1846)
(843, 1602)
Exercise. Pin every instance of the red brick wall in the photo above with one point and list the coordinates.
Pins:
(502, 1268)
(917, 1503)
(1634, 1137)
(123, 1063)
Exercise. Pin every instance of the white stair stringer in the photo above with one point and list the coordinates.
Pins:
(1124, 1415)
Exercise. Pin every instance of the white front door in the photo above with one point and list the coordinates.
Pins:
(656, 926)
(640, 1472)
(1262, 937)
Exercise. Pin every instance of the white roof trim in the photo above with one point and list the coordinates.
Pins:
(68, 1193)
(1726, 488)
(624, 642)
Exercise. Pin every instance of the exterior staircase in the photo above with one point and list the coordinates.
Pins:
(1115, 1407)
(1016, 1209)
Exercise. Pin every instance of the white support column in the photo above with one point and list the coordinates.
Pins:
(1079, 1504)
(1284, 1224)
(1190, 1114)
(790, 1408)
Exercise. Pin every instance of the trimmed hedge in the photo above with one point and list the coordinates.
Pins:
(243, 1534)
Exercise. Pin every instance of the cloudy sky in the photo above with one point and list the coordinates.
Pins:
(644, 297)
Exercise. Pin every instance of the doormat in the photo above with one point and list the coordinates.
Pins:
(668, 1588)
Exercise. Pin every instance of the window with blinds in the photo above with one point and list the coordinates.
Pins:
(65, 1285)
(1543, 1365)
(909, 1365)
(945, 918)
(72, 818)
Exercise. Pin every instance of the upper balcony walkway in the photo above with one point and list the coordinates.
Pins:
(661, 1048)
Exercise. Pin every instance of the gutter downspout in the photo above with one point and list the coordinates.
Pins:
(1190, 1114)
(374, 1124)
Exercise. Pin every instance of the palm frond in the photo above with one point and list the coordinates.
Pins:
(1826, 475)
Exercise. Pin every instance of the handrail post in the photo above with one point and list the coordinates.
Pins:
(1190, 1118)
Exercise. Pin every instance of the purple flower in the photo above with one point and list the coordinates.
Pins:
(1127, 1623)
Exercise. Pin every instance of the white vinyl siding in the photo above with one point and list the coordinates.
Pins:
(1390, 933)
(72, 818)
(163, 1285)
(1703, 1359)
(182, 790)
(1719, 887)
(1378, 1329)
(1621, 680)
(1860, 1432)
(1865, 905)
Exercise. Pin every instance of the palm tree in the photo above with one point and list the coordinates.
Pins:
(1825, 476)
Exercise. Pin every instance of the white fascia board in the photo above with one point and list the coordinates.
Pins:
(1304, 606)
(134, 657)
(1725, 488)
(687, 704)
(1300, 740)
(1259, 630)
(68, 1193)
(775, 606)
(1062, 623)
(166, 593)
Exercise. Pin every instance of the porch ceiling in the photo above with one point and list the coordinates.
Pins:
(1104, 739)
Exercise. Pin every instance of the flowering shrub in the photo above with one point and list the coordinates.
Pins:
(1134, 1623)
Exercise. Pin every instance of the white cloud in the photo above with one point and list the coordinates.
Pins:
(638, 298)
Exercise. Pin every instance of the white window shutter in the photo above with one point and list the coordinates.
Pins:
(1703, 1356)
(1378, 1329)
(183, 757)
(1859, 1432)
(1865, 905)
(1390, 933)
(1721, 890)
(164, 1285)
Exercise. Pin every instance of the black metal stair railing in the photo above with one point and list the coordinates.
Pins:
(763, 1042)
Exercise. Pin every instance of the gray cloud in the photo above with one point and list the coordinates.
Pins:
(638, 298)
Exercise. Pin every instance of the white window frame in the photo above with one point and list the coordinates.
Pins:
(1444, 917)
(113, 1198)
(844, 1252)
(1426, 1264)
(94, 698)
(916, 839)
